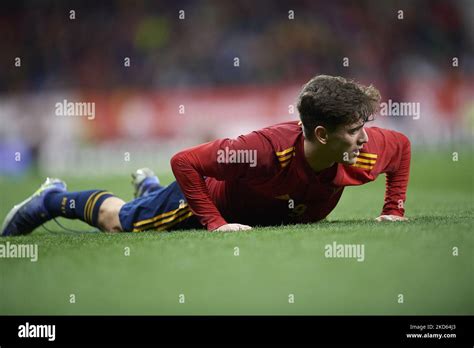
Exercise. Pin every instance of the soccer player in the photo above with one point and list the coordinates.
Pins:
(293, 172)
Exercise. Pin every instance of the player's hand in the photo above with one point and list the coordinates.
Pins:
(391, 218)
(232, 227)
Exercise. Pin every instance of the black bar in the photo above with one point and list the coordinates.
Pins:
(241, 329)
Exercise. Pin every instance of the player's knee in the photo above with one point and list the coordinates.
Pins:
(109, 215)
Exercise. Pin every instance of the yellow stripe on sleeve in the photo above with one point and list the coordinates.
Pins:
(368, 155)
(363, 160)
(363, 166)
(283, 159)
(284, 152)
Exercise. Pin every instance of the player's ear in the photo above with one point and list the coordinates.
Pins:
(321, 134)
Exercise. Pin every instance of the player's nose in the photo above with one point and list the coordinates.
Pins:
(364, 137)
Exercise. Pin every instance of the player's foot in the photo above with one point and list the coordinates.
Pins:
(31, 213)
(144, 181)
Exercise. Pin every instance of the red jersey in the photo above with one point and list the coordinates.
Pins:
(263, 178)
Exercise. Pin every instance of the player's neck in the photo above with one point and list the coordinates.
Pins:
(316, 157)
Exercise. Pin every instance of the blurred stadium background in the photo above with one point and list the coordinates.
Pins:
(164, 75)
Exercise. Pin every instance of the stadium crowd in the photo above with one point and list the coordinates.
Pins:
(87, 48)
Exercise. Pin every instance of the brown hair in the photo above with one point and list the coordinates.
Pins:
(332, 101)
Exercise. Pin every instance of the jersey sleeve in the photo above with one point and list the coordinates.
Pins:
(398, 151)
(224, 159)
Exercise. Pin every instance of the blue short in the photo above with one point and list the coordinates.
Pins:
(162, 210)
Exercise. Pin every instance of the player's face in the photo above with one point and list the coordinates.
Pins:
(347, 141)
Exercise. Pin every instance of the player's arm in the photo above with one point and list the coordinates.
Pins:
(397, 175)
(209, 160)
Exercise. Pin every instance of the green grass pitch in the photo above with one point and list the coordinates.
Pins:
(414, 259)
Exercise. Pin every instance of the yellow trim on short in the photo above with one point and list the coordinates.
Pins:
(171, 218)
(161, 225)
(284, 164)
(368, 155)
(363, 160)
(157, 217)
(177, 221)
(363, 166)
(284, 152)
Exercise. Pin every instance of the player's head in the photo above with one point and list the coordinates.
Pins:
(333, 111)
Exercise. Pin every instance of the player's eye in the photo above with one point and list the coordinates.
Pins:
(354, 130)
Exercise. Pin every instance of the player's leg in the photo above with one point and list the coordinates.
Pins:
(154, 208)
(160, 208)
(157, 208)
(108, 218)
(163, 209)
(52, 200)
(144, 182)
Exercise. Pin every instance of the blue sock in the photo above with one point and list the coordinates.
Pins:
(83, 205)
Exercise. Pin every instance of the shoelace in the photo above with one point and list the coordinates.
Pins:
(66, 229)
